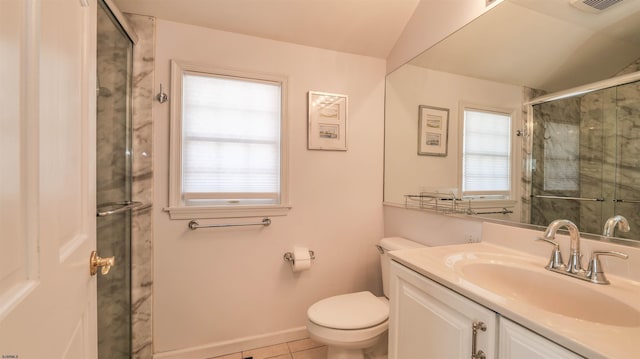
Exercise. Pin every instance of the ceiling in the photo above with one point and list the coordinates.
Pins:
(364, 27)
(544, 44)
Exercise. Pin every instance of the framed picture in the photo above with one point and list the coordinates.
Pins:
(433, 131)
(327, 121)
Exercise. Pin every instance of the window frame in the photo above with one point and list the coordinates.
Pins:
(177, 208)
(510, 197)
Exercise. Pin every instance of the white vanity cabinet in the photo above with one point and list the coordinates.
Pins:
(516, 341)
(428, 320)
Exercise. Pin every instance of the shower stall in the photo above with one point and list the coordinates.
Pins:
(586, 158)
(113, 162)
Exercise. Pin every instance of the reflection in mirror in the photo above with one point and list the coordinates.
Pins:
(585, 164)
(580, 147)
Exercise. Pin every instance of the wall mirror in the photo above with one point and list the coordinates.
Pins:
(583, 149)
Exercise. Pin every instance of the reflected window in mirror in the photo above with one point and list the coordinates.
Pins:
(486, 154)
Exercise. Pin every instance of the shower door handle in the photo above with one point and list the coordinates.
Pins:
(105, 263)
(124, 206)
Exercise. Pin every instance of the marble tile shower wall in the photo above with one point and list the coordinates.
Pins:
(111, 107)
(545, 213)
(112, 181)
(142, 186)
(525, 183)
(608, 152)
(627, 169)
(597, 158)
(545, 142)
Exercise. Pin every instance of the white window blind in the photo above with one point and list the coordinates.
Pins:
(230, 140)
(486, 161)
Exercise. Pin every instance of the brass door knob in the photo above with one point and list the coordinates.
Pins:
(95, 261)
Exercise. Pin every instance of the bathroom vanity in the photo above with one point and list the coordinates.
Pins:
(433, 321)
(485, 300)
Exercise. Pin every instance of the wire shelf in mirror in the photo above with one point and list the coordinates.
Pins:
(445, 203)
(449, 203)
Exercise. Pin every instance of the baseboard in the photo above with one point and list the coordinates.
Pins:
(235, 346)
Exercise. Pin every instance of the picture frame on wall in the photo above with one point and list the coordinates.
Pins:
(433, 131)
(327, 128)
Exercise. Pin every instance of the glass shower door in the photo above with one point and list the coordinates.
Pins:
(114, 67)
(571, 178)
(627, 165)
(587, 159)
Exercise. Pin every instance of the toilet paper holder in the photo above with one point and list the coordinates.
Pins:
(289, 256)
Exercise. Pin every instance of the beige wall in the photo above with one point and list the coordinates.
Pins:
(429, 228)
(431, 22)
(216, 285)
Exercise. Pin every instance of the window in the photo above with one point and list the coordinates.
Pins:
(486, 154)
(228, 155)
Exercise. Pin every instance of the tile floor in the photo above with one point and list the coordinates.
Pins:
(299, 349)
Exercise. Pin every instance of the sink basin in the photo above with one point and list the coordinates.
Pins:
(549, 291)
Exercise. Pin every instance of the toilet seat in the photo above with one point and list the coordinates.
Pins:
(351, 311)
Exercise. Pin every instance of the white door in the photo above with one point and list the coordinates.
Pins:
(47, 179)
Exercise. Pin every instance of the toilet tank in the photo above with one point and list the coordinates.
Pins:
(391, 244)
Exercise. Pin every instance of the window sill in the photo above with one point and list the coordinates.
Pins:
(226, 212)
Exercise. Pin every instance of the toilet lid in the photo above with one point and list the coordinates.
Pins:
(349, 311)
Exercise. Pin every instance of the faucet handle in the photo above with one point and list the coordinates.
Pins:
(595, 272)
(555, 262)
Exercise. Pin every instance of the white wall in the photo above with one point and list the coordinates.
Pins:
(217, 285)
(430, 228)
(432, 21)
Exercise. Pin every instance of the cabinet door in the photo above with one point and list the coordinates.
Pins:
(427, 320)
(519, 342)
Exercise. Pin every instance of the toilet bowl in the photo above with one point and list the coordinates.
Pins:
(355, 324)
(348, 323)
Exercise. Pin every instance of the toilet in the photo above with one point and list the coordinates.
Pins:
(354, 325)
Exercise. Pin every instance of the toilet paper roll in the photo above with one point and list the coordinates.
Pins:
(301, 259)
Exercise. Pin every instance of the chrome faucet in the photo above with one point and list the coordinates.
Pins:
(574, 265)
(573, 268)
(610, 225)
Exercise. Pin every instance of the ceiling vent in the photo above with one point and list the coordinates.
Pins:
(594, 6)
